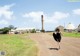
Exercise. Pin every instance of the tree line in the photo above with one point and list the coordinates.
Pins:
(5, 30)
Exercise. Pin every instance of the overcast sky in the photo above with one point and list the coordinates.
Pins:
(27, 13)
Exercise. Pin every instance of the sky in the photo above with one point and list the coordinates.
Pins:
(27, 13)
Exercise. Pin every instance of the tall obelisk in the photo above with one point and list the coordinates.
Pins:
(42, 20)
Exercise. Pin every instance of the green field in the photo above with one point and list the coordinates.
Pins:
(67, 34)
(17, 45)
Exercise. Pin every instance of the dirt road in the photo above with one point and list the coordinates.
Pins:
(48, 47)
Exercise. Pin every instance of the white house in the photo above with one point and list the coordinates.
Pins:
(20, 30)
(70, 27)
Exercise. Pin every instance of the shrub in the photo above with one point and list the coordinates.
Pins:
(33, 31)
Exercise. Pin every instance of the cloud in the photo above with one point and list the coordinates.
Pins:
(3, 22)
(56, 17)
(76, 11)
(6, 12)
(60, 15)
(36, 16)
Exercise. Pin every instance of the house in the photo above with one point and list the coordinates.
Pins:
(20, 30)
(37, 30)
(12, 31)
(70, 27)
(78, 29)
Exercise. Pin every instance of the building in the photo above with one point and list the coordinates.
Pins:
(70, 27)
(20, 30)
(78, 29)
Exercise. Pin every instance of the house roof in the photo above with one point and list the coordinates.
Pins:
(70, 26)
(24, 28)
(18, 29)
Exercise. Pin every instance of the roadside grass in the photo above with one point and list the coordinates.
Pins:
(73, 34)
(17, 45)
(67, 34)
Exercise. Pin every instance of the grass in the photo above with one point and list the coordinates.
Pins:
(17, 45)
(76, 35)
(67, 34)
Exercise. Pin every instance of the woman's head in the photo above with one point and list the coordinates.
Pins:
(57, 30)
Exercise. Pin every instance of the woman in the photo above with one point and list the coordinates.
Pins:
(57, 36)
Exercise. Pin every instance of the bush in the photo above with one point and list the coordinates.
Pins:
(33, 31)
(4, 30)
(42, 30)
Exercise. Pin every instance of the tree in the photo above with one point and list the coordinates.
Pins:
(5, 30)
(11, 27)
(33, 31)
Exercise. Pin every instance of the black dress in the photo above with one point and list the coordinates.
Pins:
(57, 37)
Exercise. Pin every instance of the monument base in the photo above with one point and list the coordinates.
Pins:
(42, 30)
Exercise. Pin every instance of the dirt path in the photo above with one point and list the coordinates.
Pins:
(47, 46)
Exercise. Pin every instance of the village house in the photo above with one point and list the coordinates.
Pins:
(78, 29)
(70, 27)
(20, 30)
